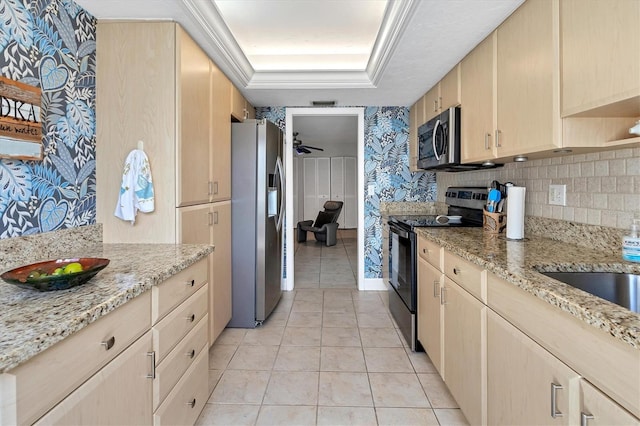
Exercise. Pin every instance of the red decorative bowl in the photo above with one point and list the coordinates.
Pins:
(39, 276)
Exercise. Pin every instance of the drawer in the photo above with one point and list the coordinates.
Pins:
(173, 291)
(172, 328)
(467, 275)
(178, 361)
(185, 402)
(431, 252)
(49, 377)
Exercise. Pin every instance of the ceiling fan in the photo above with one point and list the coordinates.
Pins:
(300, 148)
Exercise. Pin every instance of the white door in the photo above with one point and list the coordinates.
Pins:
(350, 214)
(317, 185)
(310, 189)
(337, 185)
(323, 182)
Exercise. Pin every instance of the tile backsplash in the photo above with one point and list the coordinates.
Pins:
(603, 188)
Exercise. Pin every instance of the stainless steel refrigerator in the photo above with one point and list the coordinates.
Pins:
(257, 213)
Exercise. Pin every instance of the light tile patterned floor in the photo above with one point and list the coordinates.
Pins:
(328, 355)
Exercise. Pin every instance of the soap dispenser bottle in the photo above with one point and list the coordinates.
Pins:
(631, 243)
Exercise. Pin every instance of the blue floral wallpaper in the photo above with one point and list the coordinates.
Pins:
(386, 167)
(51, 44)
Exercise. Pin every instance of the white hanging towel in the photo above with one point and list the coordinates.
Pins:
(136, 191)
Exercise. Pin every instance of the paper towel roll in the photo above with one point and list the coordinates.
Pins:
(515, 212)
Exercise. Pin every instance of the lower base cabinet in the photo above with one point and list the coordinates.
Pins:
(464, 351)
(120, 394)
(526, 385)
(597, 409)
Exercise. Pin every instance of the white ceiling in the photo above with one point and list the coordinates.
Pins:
(418, 43)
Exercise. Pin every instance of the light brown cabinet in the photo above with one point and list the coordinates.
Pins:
(596, 409)
(445, 94)
(477, 96)
(241, 109)
(120, 394)
(527, 80)
(220, 135)
(416, 119)
(211, 224)
(193, 122)
(430, 282)
(600, 58)
(465, 351)
(527, 385)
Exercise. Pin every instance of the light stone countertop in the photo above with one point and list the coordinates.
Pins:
(517, 262)
(32, 321)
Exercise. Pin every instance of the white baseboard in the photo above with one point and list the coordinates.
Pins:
(373, 284)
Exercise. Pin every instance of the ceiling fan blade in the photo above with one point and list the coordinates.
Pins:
(313, 147)
(302, 150)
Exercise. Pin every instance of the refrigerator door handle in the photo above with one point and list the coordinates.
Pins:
(280, 173)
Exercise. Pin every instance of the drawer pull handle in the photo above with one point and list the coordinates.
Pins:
(192, 403)
(456, 271)
(191, 283)
(191, 318)
(108, 344)
(425, 251)
(152, 355)
(442, 296)
(554, 401)
(436, 286)
(584, 419)
(191, 353)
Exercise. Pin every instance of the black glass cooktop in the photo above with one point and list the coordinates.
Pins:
(429, 221)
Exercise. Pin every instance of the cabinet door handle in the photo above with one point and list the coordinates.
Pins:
(191, 353)
(425, 251)
(191, 283)
(191, 318)
(215, 218)
(108, 344)
(584, 418)
(210, 188)
(210, 218)
(498, 139)
(487, 143)
(192, 403)
(436, 286)
(152, 356)
(215, 188)
(554, 400)
(456, 270)
(435, 105)
(442, 296)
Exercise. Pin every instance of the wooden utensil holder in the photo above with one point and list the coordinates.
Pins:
(493, 223)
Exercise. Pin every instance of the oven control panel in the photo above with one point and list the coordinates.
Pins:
(472, 197)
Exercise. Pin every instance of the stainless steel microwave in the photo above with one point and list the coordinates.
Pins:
(439, 141)
(439, 144)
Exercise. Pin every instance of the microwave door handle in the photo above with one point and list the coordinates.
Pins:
(433, 140)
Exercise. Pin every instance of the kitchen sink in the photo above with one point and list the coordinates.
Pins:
(621, 289)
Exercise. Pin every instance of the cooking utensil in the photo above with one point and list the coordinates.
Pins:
(493, 198)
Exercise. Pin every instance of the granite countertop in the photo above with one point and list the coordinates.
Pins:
(517, 262)
(32, 321)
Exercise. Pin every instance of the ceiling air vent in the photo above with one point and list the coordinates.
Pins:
(323, 103)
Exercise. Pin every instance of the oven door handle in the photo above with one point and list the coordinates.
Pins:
(397, 230)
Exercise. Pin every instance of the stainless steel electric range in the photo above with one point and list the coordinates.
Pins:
(465, 209)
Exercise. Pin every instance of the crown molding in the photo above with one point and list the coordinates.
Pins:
(394, 23)
(208, 17)
(220, 38)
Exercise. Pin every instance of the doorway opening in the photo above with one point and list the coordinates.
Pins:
(347, 182)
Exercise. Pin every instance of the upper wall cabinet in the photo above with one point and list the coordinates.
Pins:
(477, 98)
(220, 135)
(241, 109)
(443, 95)
(600, 58)
(193, 125)
(416, 119)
